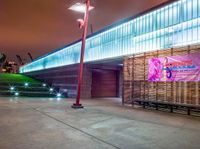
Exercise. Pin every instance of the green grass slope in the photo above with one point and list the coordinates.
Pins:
(17, 78)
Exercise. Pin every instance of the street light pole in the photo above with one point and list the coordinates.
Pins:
(80, 77)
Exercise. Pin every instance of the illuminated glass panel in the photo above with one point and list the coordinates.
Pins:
(176, 24)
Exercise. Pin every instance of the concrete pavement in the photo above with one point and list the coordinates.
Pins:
(38, 123)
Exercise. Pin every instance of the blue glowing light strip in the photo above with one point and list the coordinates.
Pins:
(176, 24)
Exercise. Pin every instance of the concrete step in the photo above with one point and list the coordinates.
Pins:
(27, 93)
(22, 88)
(21, 84)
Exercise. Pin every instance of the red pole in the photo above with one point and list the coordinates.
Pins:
(80, 78)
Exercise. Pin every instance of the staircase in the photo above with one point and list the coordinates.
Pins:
(21, 85)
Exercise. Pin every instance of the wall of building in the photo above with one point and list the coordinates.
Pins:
(65, 80)
(104, 83)
(137, 86)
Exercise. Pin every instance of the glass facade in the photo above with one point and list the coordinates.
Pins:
(176, 24)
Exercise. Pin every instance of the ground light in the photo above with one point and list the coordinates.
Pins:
(12, 88)
(26, 84)
(83, 8)
(16, 94)
(51, 89)
(58, 95)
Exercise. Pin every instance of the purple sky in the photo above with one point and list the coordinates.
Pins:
(41, 26)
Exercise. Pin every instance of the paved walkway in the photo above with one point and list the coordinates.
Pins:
(38, 123)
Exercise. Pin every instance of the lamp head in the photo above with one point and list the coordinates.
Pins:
(80, 7)
(81, 23)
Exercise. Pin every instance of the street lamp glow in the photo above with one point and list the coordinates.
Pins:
(80, 7)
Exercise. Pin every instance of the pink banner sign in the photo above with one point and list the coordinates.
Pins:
(175, 68)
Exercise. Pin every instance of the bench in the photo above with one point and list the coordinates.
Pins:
(165, 104)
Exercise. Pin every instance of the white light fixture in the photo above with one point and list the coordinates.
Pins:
(59, 95)
(16, 94)
(80, 7)
(44, 85)
(26, 84)
(12, 88)
(51, 89)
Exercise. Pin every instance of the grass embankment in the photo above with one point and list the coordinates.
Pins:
(17, 78)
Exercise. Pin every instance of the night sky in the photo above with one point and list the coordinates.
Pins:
(41, 26)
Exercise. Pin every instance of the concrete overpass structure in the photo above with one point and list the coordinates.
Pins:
(169, 25)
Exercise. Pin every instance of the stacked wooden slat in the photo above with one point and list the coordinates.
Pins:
(137, 86)
(127, 80)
